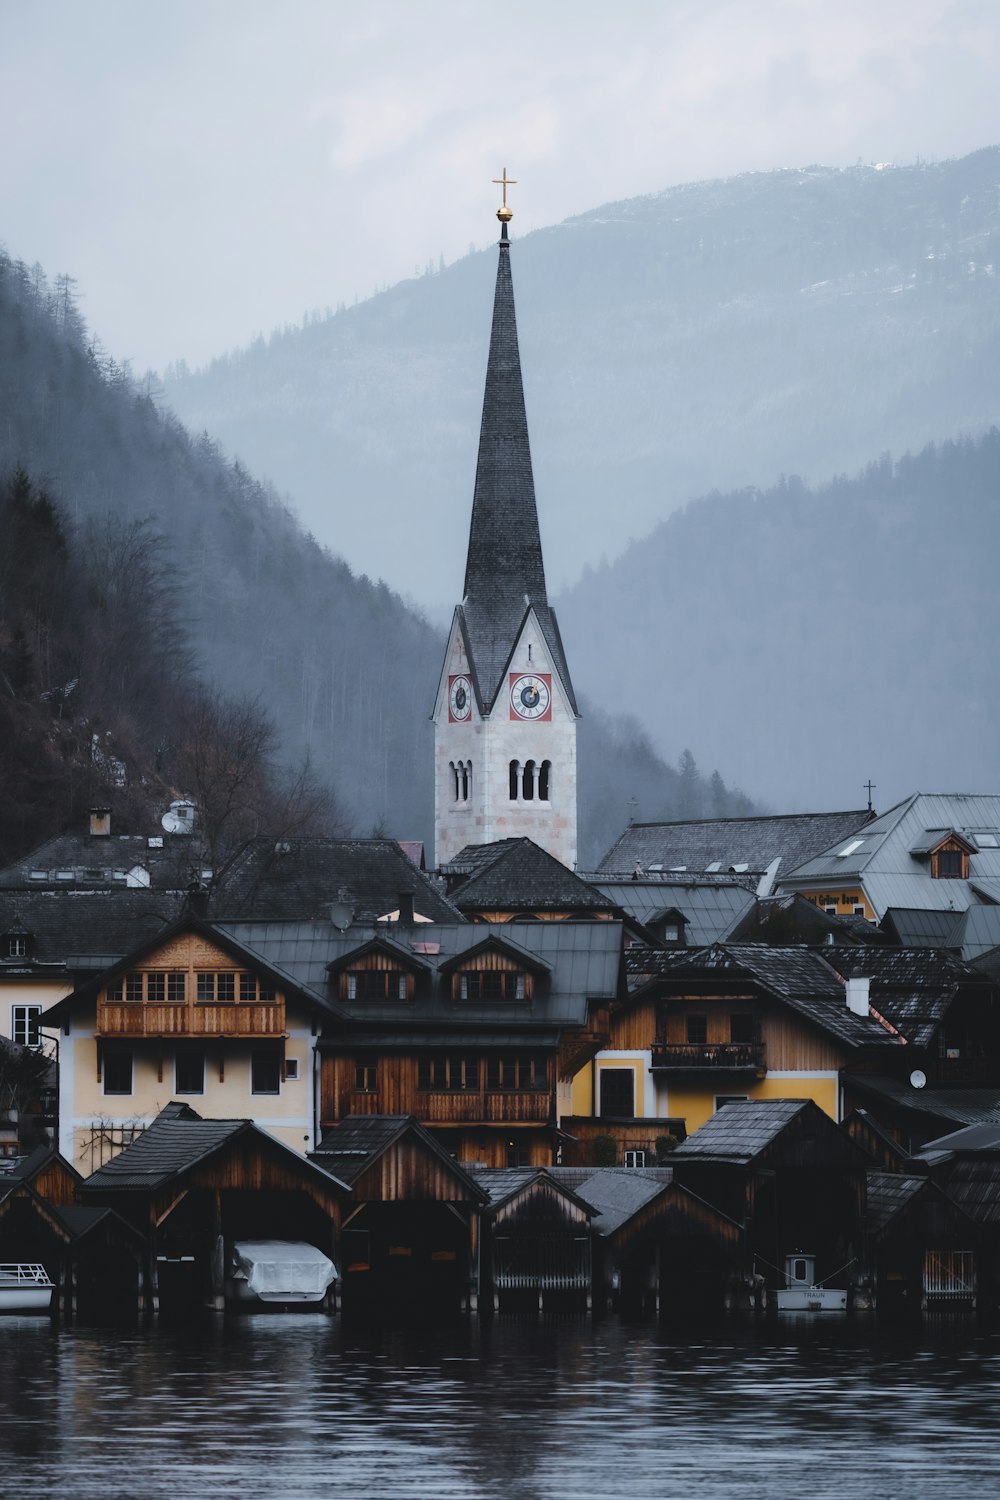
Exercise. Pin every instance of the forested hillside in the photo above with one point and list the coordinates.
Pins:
(142, 573)
(712, 336)
(816, 637)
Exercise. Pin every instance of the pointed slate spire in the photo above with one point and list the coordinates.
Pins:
(504, 572)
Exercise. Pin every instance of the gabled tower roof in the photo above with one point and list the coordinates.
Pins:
(504, 574)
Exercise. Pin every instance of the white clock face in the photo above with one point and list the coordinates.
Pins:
(530, 697)
(460, 698)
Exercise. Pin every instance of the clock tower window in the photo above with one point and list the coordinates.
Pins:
(528, 782)
(461, 779)
(544, 778)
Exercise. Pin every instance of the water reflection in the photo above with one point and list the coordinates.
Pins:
(303, 1406)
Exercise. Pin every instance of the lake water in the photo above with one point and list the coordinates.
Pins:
(294, 1407)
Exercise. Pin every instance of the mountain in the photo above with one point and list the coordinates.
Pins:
(712, 336)
(814, 637)
(137, 560)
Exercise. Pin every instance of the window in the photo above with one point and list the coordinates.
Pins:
(492, 984)
(24, 1026)
(617, 1093)
(133, 989)
(517, 1070)
(176, 988)
(220, 988)
(366, 1077)
(156, 988)
(635, 1158)
(205, 989)
(448, 1071)
(461, 779)
(17, 945)
(265, 1071)
(528, 781)
(376, 984)
(515, 772)
(225, 989)
(950, 864)
(189, 1072)
(291, 1070)
(544, 779)
(117, 1071)
(697, 1030)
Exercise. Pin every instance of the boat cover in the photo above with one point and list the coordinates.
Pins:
(284, 1268)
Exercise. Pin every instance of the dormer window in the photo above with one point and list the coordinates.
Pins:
(376, 984)
(16, 944)
(950, 864)
(492, 984)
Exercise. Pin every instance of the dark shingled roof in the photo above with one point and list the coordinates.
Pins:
(915, 928)
(504, 572)
(723, 842)
(911, 987)
(503, 1183)
(521, 876)
(712, 905)
(70, 924)
(966, 1106)
(616, 1193)
(165, 1149)
(91, 861)
(349, 1147)
(740, 1131)
(800, 978)
(887, 1194)
(299, 879)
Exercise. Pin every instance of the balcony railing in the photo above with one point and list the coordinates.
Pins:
(710, 1057)
(465, 1106)
(181, 1019)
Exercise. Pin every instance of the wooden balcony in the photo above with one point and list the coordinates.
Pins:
(465, 1106)
(183, 1020)
(709, 1057)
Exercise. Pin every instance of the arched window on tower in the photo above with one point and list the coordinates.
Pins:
(528, 781)
(515, 776)
(466, 780)
(545, 781)
(454, 779)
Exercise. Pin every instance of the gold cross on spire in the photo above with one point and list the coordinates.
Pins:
(505, 214)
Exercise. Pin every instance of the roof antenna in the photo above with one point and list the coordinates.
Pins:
(869, 788)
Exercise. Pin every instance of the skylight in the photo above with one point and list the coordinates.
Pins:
(849, 848)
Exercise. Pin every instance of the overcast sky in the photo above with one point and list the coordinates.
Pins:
(210, 169)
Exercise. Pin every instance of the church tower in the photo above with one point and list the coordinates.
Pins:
(505, 714)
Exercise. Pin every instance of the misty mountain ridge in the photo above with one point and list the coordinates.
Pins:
(711, 336)
(344, 669)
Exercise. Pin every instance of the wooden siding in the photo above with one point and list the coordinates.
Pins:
(138, 1019)
(397, 1093)
(792, 1043)
(408, 1172)
(190, 955)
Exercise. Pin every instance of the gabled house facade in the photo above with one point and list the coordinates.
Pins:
(474, 1029)
(189, 1015)
(702, 1029)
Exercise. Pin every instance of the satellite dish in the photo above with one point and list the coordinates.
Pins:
(178, 818)
(917, 1079)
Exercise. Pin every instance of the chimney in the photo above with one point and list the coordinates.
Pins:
(406, 908)
(100, 822)
(857, 996)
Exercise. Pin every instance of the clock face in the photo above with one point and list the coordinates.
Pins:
(530, 695)
(459, 699)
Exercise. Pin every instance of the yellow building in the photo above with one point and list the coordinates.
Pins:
(190, 1016)
(703, 1028)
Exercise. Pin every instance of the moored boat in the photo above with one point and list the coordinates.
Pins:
(288, 1273)
(25, 1286)
(800, 1292)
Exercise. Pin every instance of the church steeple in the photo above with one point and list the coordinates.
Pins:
(504, 572)
(505, 715)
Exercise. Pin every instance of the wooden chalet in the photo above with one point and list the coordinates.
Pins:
(965, 1164)
(700, 1028)
(474, 1029)
(192, 1187)
(410, 1234)
(924, 1251)
(95, 1260)
(536, 1245)
(793, 1180)
(192, 1015)
(657, 1246)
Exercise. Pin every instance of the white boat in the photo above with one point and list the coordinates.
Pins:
(800, 1292)
(24, 1286)
(289, 1272)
